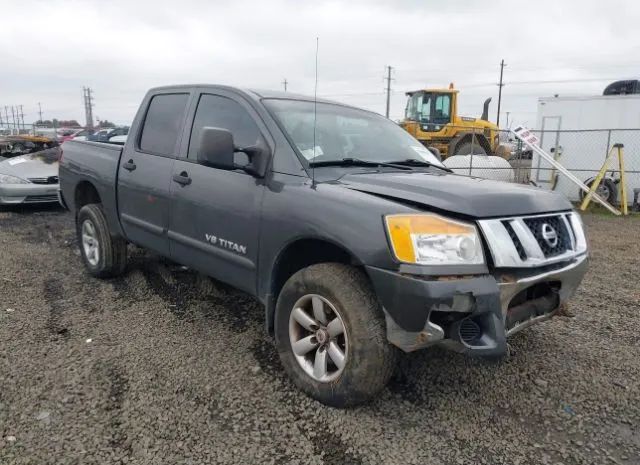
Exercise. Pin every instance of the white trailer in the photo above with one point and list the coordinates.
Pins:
(583, 130)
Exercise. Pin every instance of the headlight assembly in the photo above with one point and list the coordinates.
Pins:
(429, 239)
(8, 179)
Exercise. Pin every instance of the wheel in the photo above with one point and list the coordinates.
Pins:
(330, 334)
(18, 147)
(607, 189)
(468, 149)
(103, 255)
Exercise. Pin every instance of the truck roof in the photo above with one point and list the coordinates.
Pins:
(433, 90)
(252, 93)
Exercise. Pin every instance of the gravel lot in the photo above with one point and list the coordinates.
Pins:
(157, 367)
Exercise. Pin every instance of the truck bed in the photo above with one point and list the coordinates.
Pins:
(96, 162)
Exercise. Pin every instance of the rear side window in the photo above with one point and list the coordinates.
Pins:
(163, 123)
(221, 112)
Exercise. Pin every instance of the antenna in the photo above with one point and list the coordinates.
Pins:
(315, 104)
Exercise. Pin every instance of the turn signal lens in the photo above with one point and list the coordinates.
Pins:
(429, 239)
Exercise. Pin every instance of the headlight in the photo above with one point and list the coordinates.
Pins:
(8, 179)
(428, 239)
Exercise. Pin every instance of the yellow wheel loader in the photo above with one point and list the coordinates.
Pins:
(431, 116)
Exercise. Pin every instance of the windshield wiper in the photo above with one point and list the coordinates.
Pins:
(357, 162)
(416, 162)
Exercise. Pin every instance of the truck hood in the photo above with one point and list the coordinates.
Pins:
(469, 196)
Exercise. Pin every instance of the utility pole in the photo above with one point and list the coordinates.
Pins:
(13, 116)
(508, 112)
(388, 79)
(21, 116)
(500, 86)
(284, 83)
(40, 111)
(88, 106)
(6, 115)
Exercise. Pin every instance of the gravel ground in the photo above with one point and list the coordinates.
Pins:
(157, 367)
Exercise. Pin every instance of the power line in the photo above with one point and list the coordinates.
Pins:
(480, 85)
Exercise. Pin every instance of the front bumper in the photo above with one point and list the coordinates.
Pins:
(11, 194)
(472, 314)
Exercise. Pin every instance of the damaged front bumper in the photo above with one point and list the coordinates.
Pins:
(473, 314)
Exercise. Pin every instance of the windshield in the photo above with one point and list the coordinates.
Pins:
(429, 108)
(342, 132)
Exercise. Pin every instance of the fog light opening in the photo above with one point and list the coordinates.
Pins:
(470, 331)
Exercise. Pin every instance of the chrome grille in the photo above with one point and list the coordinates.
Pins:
(516, 242)
(534, 240)
(563, 237)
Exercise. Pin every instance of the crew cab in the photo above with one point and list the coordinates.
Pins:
(355, 238)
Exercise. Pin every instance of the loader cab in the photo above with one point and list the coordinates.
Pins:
(432, 109)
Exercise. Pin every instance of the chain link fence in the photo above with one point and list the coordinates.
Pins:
(582, 152)
(24, 129)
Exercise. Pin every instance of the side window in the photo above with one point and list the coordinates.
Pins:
(163, 123)
(411, 110)
(424, 108)
(221, 112)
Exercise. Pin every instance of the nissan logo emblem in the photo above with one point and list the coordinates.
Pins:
(549, 235)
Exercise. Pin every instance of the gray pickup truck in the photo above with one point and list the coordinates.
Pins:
(354, 236)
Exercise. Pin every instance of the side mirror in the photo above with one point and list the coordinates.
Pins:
(217, 149)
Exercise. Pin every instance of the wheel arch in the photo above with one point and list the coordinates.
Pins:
(297, 254)
(84, 194)
(468, 137)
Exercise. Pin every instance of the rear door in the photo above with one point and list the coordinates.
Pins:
(215, 218)
(144, 177)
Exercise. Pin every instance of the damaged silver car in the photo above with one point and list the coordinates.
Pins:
(30, 178)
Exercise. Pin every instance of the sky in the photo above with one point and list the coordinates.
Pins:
(122, 48)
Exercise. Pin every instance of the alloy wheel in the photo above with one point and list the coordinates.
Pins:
(318, 338)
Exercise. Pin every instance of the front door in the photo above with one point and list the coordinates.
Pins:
(215, 214)
(144, 174)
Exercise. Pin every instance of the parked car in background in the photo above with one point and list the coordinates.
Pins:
(99, 136)
(83, 134)
(66, 134)
(30, 178)
(103, 135)
(118, 140)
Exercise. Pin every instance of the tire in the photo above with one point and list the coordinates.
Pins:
(369, 360)
(468, 148)
(93, 234)
(607, 189)
(18, 148)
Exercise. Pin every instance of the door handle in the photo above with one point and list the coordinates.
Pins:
(182, 178)
(129, 166)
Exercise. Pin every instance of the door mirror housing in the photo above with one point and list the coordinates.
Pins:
(217, 150)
